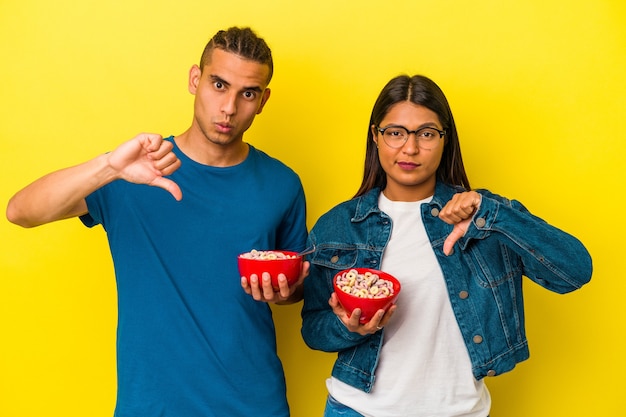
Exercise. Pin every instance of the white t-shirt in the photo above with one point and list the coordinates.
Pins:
(424, 368)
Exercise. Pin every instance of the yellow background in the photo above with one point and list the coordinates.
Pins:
(538, 91)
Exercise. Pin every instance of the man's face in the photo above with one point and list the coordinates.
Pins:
(230, 91)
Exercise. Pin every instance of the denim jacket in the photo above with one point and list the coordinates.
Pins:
(483, 276)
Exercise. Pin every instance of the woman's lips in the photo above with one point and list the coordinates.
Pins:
(408, 165)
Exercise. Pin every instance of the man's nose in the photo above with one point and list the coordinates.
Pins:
(229, 104)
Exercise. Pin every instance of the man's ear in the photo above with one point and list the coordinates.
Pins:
(194, 79)
(266, 96)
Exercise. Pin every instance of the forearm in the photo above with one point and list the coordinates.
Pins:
(550, 256)
(60, 194)
(321, 328)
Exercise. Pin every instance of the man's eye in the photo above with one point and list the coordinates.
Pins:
(249, 94)
(218, 85)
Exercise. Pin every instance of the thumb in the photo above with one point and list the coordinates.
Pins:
(168, 185)
(457, 233)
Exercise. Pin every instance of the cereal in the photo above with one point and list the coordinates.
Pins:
(266, 255)
(367, 285)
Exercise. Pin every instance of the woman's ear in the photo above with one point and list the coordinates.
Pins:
(375, 135)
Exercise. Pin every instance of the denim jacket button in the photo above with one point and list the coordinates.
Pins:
(434, 212)
(463, 295)
(480, 222)
(477, 339)
(334, 259)
(491, 372)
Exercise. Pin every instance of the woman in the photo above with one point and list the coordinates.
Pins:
(459, 253)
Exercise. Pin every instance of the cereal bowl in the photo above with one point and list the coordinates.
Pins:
(273, 262)
(368, 289)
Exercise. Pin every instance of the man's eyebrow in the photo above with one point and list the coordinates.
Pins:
(254, 88)
(217, 78)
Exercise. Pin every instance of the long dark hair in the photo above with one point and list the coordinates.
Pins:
(423, 91)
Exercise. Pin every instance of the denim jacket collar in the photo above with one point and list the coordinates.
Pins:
(368, 203)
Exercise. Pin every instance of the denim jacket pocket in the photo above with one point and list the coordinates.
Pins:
(336, 257)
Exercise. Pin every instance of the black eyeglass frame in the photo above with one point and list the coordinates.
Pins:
(382, 130)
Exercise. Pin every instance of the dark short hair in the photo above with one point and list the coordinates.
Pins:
(240, 41)
(420, 90)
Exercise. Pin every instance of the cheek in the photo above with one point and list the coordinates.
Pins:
(438, 155)
(203, 98)
(248, 112)
(434, 161)
(386, 158)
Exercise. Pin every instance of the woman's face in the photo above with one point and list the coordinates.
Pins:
(411, 170)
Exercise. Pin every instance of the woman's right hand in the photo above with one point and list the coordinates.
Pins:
(377, 322)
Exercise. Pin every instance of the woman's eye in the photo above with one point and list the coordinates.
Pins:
(427, 134)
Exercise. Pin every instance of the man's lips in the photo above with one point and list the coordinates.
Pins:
(223, 127)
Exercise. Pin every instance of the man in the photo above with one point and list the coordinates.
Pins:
(191, 342)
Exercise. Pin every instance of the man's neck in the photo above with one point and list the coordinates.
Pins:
(205, 152)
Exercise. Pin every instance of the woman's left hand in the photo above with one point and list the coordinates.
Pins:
(458, 212)
(376, 323)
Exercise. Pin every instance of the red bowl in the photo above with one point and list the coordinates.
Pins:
(368, 306)
(289, 266)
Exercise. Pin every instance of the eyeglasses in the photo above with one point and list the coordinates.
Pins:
(396, 136)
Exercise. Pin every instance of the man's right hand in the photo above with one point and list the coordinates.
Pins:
(147, 159)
